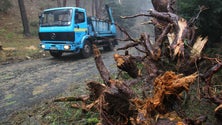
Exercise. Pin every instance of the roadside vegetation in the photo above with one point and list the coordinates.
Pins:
(14, 45)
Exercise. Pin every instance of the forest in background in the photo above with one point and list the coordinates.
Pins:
(209, 22)
(10, 9)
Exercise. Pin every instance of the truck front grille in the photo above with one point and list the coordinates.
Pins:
(57, 36)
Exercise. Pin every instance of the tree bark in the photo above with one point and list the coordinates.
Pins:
(77, 3)
(99, 4)
(61, 4)
(93, 7)
(64, 3)
(96, 8)
(24, 18)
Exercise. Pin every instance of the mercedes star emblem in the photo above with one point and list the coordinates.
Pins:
(53, 36)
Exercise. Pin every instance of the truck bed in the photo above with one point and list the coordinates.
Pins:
(101, 28)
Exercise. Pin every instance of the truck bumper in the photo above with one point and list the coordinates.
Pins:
(59, 47)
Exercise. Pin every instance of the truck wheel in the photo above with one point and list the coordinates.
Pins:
(108, 47)
(55, 54)
(86, 51)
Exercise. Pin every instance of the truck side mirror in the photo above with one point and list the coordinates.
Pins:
(40, 18)
(40, 15)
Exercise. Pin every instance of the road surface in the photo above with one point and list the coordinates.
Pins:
(27, 83)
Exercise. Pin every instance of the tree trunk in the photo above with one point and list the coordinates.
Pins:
(64, 3)
(99, 4)
(96, 5)
(93, 7)
(24, 18)
(77, 3)
(59, 3)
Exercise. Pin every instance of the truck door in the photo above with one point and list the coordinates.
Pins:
(80, 27)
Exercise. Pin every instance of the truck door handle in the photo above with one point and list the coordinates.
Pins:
(77, 26)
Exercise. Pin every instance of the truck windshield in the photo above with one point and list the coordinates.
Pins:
(56, 18)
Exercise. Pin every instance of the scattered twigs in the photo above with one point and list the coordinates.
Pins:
(198, 121)
(68, 99)
(193, 20)
(208, 74)
(218, 113)
(213, 97)
(134, 16)
(129, 38)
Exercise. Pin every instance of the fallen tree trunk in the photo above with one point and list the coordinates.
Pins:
(170, 66)
(117, 103)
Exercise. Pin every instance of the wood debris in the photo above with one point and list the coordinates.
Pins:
(171, 65)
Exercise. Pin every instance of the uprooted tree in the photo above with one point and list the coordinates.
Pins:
(171, 64)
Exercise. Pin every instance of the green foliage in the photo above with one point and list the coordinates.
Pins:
(5, 5)
(92, 121)
(209, 22)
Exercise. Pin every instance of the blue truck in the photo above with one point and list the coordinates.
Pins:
(69, 29)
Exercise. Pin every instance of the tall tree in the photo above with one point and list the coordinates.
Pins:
(93, 7)
(24, 18)
(96, 5)
(64, 2)
(77, 3)
(61, 3)
(99, 5)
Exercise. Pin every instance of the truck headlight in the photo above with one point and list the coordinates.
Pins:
(43, 46)
(66, 47)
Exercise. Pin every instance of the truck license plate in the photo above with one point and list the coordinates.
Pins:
(53, 48)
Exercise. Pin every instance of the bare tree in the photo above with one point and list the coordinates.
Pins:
(24, 18)
(99, 4)
(77, 3)
(96, 7)
(64, 2)
(61, 3)
(93, 7)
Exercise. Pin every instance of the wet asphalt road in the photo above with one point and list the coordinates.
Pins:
(27, 83)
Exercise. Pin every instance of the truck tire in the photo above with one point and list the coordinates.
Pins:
(86, 51)
(109, 46)
(56, 54)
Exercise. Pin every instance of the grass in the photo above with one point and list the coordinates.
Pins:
(17, 47)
